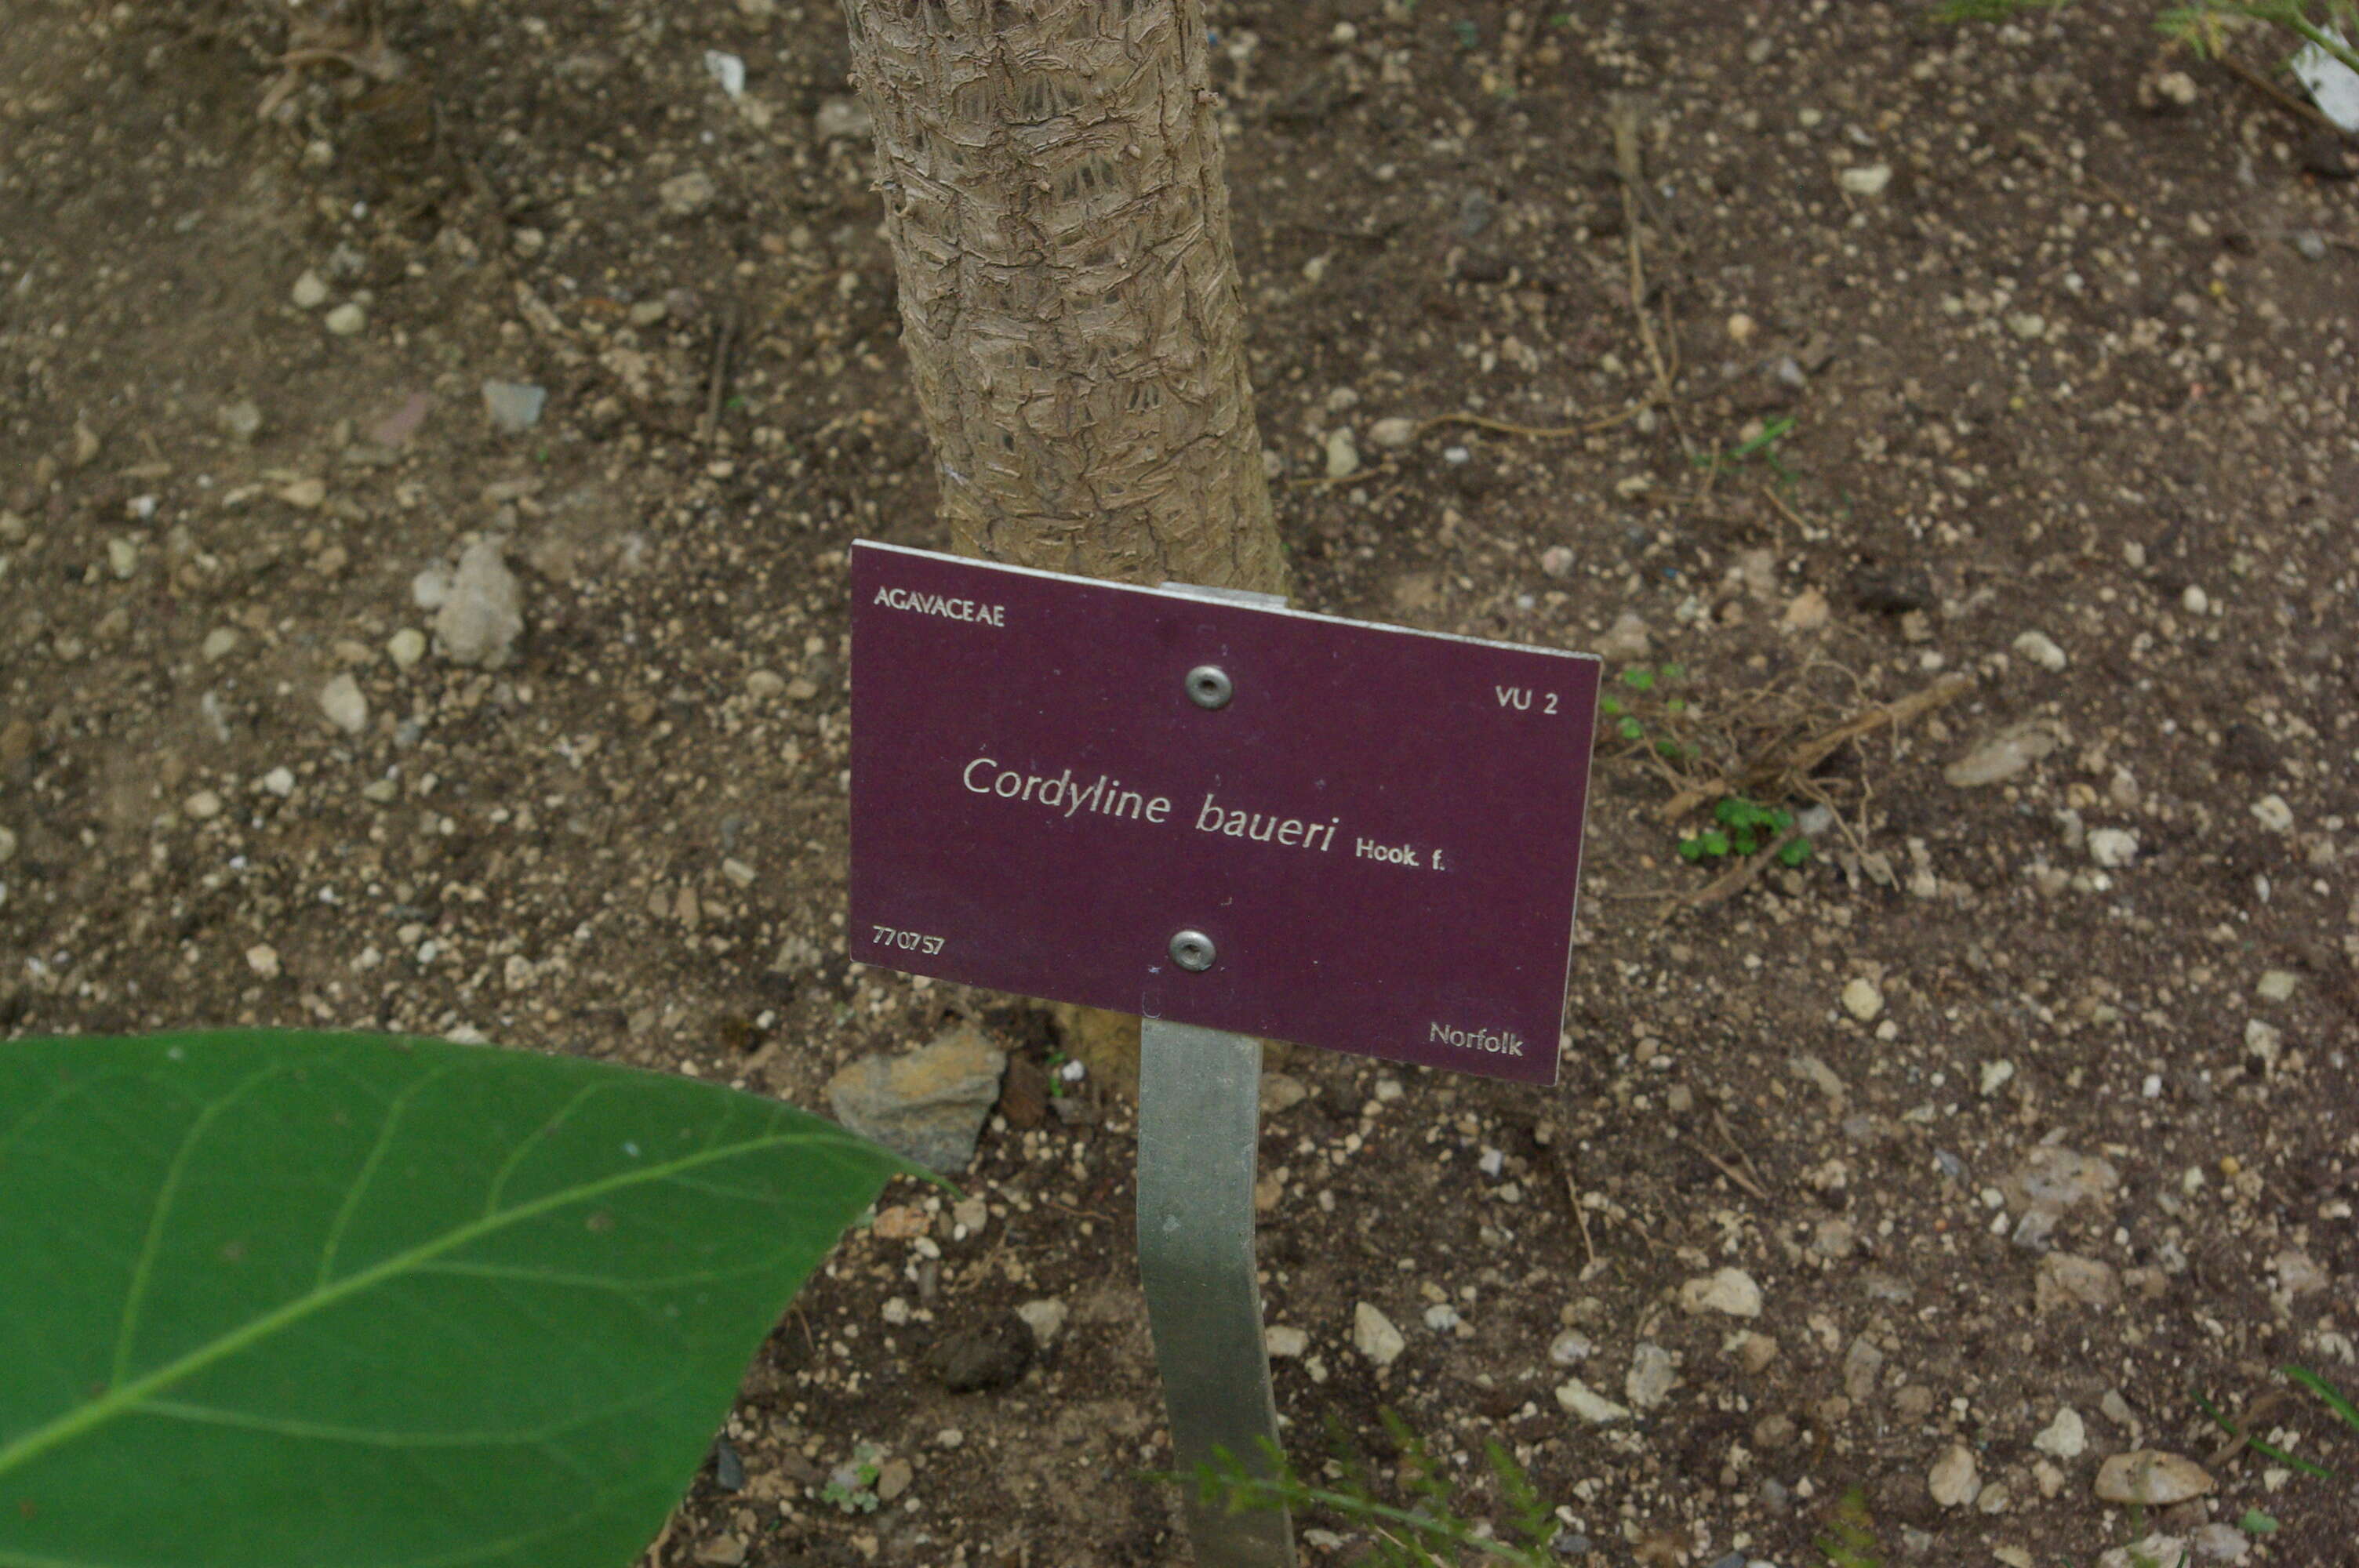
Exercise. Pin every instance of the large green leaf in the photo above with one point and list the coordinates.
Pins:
(277, 1299)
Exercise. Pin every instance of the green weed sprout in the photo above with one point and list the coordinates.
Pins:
(1850, 1541)
(853, 1487)
(2203, 26)
(1744, 828)
(1646, 691)
(1763, 446)
(1429, 1532)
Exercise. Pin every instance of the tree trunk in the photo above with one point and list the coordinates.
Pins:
(1052, 172)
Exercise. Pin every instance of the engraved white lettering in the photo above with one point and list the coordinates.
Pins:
(1497, 1042)
(919, 604)
(1396, 854)
(968, 777)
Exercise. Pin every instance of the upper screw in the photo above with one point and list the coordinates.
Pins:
(1209, 687)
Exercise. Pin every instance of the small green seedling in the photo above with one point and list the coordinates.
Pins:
(1744, 828)
(1429, 1531)
(851, 1488)
(2203, 26)
(1762, 445)
(1646, 691)
(1849, 1539)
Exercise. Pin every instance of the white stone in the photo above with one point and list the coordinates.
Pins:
(2151, 1478)
(1731, 1290)
(2154, 1550)
(1441, 1317)
(203, 806)
(685, 195)
(279, 781)
(1569, 1349)
(1628, 638)
(1862, 999)
(1045, 1317)
(481, 616)
(1866, 178)
(1558, 560)
(2195, 602)
(262, 959)
(310, 291)
(1651, 1379)
(1374, 1336)
(406, 647)
(2277, 985)
(2065, 1437)
(2272, 812)
(1954, 1480)
(2040, 650)
(1579, 1399)
(2265, 1040)
(344, 704)
(7, 845)
(1343, 455)
(1392, 434)
(220, 643)
(1995, 1075)
(123, 556)
(1285, 1342)
(347, 320)
(764, 685)
(2113, 847)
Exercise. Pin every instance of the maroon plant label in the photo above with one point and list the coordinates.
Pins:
(1357, 837)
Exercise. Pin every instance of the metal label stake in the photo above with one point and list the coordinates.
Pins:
(1199, 1121)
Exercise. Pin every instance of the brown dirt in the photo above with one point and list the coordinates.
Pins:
(2079, 369)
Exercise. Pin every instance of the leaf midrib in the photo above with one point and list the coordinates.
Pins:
(127, 1396)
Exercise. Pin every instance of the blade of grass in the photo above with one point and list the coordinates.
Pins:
(2327, 1392)
(2266, 1451)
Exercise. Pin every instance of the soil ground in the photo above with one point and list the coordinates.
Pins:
(2020, 342)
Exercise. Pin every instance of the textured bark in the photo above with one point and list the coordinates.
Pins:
(1053, 193)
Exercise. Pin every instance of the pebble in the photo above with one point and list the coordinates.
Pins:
(346, 707)
(2311, 245)
(685, 195)
(310, 291)
(2151, 1478)
(478, 613)
(7, 845)
(990, 1355)
(262, 959)
(2027, 325)
(2064, 1280)
(2264, 1040)
(1558, 560)
(2065, 1437)
(2153, 1550)
(2270, 811)
(764, 685)
(1806, 611)
(892, 1478)
(2195, 602)
(1569, 1349)
(1374, 1336)
(1953, 1481)
(1392, 434)
(2217, 1542)
(1730, 1291)
(1628, 638)
(1995, 1075)
(279, 781)
(1580, 1399)
(1280, 1093)
(724, 1551)
(1285, 1342)
(241, 421)
(406, 647)
(1343, 455)
(1441, 1317)
(202, 806)
(2041, 650)
(929, 1104)
(2113, 847)
(2276, 985)
(1866, 178)
(514, 405)
(1863, 1000)
(1045, 1317)
(2001, 757)
(347, 320)
(842, 119)
(1651, 1379)
(220, 643)
(1741, 329)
